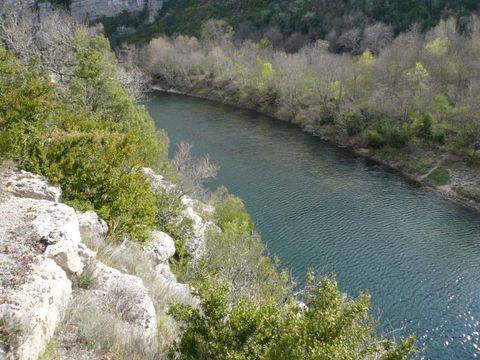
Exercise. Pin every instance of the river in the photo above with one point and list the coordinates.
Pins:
(319, 206)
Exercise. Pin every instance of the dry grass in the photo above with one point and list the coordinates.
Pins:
(129, 258)
(106, 333)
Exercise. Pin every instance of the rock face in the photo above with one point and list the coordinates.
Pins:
(33, 310)
(196, 244)
(91, 226)
(27, 185)
(38, 242)
(41, 251)
(94, 9)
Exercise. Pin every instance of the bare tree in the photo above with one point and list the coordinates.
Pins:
(218, 31)
(350, 40)
(134, 80)
(376, 37)
(51, 37)
(194, 172)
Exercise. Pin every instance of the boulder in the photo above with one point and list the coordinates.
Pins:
(51, 222)
(66, 255)
(126, 296)
(161, 246)
(27, 185)
(91, 226)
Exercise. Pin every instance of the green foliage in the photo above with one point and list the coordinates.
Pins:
(265, 43)
(398, 137)
(230, 209)
(235, 254)
(422, 126)
(88, 137)
(355, 122)
(315, 18)
(171, 220)
(330, 326)
(86, 280)
(440, 177)
(375, 139)
(438, 46)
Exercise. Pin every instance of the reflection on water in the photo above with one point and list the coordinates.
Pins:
(319, 206)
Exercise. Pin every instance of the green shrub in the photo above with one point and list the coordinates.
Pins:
(440, 177)
(439, 135)
(229, 208)
(331, 326)
(375, 140)
(87, 135)
(355, 122)
(398, 137)
(422, 126)
(86, 279)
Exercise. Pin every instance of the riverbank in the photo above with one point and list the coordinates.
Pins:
(460, 176)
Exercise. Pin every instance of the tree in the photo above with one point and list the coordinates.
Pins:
(376, 37)
(193, 172)
(328, 325)
(218, 31)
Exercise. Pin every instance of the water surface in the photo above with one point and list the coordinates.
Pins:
(319, 206)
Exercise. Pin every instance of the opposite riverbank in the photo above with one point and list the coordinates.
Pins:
(406, 166)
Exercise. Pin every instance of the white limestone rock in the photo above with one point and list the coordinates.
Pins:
(196, 245)
(157, 181)
(91, 226)
(27, 185)
(161, 246)
(94, 9)
(35, 308)
(52, 222)
(66, 255)
(126, 296)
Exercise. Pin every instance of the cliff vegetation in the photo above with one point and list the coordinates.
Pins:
(68, 111)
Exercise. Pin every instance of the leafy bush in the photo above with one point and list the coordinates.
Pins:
(375, 140)
(398, 137)
(230, 209)
(329, 326)
(422, 126)
(354, 122)
(439, 135)
(440, 177)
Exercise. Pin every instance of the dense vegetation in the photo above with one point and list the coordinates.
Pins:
(81, 129)
(291, 24)
(67, 111)
(414, 104)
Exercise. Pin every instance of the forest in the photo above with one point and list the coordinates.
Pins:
(411, 100)
(292, 24)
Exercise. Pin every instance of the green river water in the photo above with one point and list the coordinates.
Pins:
(319, 206)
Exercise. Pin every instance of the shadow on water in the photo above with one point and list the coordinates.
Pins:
(320, 206)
